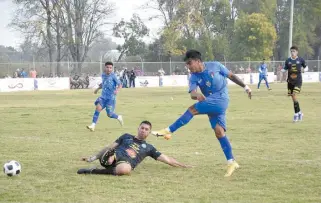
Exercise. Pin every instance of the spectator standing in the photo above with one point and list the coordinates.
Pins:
(132, 76)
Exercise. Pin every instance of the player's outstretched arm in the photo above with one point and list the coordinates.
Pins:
(171, 161)
(100, 153)
(239, 82)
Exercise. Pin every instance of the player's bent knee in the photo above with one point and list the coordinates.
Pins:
(123, 169)
(219, 131)
(193, 110)
(99, 108)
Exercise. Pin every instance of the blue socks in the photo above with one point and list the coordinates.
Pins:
(226, 147)
(96, 116)
(267, 84)
(181, 121)
(113, 115)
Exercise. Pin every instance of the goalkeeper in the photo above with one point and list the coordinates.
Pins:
(123, 156)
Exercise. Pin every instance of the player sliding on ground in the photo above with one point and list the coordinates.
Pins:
(121, 157)
(110, 86)
(210, 77)
(294, 66)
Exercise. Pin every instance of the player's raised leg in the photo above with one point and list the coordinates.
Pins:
(180, 122)
(218, 123)
(99, 107)
(111, 114)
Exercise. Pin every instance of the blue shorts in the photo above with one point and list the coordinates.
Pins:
(263, 77)
(215, 111)
(108, 104)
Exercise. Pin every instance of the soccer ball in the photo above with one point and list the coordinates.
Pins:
(12, 168)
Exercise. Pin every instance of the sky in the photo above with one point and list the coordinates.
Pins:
(124, 9)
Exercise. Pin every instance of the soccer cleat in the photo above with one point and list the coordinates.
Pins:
(231, 167)
(269, 89)
(91, 127)
(295, 118)
(300, 117)
(120, 120)
(163, 133)
(85, 171)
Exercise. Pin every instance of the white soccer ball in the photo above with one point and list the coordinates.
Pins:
(12, 168)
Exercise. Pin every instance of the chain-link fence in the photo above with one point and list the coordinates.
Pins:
(45, 69)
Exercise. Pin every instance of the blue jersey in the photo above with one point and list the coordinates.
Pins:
(212, 81)
(263, 69)
(109, 85)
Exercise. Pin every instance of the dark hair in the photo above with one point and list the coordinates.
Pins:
(147, 123)
(295, 48)
(109, 63)
(263, 59)
(192, 54)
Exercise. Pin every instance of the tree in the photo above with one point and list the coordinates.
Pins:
(166, 10)
(82, 20)
(255, 37)
(64, 25)
(132, 32)
(101, 46)
(34, 18)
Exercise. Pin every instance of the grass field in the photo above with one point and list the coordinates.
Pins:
(45, 131)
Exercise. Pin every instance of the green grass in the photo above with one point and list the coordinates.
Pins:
(45, 131)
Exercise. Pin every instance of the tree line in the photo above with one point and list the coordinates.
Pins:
(224, 30)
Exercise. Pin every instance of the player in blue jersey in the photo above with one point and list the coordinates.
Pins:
(262, 75)
(210, 77)
(110, 86)
(295, 66)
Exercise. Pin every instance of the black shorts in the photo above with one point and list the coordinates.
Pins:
(294, 88)
(117, 159)
(104, 158)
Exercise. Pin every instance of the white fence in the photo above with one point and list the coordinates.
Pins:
(30, 84)
(66, 69)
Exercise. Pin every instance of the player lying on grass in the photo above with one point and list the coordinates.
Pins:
(295, 66)
(121, 157)
(210, 77)
(110, 86)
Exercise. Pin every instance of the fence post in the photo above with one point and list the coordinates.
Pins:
(318, 63)
(100, 64)
(170, 65)
(68, 66)
(143, 67)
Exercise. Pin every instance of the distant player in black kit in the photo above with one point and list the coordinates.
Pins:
(295, 66)
(121, 157)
